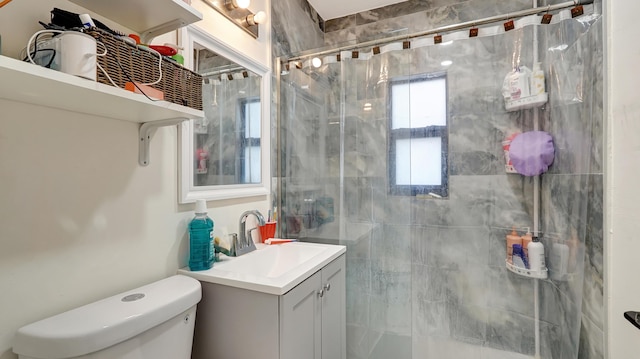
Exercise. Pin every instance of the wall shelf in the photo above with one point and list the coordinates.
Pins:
(543, 274)
(527, 102)
(33, 84)
(149, 18)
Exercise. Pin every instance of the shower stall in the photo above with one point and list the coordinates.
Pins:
(394, 148)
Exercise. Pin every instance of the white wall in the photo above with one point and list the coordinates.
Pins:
(79, 218)
(623, 169)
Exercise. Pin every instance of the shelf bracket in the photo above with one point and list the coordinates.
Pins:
(147, 130)
(147, 36)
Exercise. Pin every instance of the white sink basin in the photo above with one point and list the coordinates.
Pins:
(274, 269)
(271, 261)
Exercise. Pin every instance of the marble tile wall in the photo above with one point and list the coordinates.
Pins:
(432, 271)
(416, 15)
(295, 27)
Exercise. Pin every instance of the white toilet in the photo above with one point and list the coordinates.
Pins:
(154, 321)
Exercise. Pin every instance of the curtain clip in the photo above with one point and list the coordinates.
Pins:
(473, 32)
(546, 18)
(509, 25)
(577, 10)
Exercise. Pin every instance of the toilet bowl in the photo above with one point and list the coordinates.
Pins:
(153, 321)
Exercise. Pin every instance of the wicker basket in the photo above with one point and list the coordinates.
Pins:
(178, 84)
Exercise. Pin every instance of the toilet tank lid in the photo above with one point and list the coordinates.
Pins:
(109, 321)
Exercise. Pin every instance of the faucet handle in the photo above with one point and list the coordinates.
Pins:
(234, 244)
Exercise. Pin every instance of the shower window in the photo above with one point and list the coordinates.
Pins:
(250, 140)
(418, 135)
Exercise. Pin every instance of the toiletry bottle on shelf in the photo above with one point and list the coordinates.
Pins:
(526, 239)
(519, 260)
(517, 84)
(201, 250)
(537, 83)
(558, 261)
(512, 238)
(536, 255)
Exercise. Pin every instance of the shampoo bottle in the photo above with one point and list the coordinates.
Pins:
(537, 83)
(559, 261)
(512, 238)
(201, 250)
(536, 255)
(519, 259)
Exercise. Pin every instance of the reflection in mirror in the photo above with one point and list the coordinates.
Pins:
(224, 155)
(227, 140)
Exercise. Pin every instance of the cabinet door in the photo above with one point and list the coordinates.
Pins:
(333, 310)
(301, 326)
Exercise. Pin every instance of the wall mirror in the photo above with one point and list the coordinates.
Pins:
(224, 155)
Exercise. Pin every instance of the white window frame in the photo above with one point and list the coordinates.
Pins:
(429, 131)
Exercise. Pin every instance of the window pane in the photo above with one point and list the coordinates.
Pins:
(251, 164)
(252, 119)
(419, 161)
(419, 104)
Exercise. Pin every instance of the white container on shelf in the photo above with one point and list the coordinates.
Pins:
(536, 255)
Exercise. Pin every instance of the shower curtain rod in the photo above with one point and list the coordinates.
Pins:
(224, 71)
(448, 28)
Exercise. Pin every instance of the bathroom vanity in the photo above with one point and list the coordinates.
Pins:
(279, 302)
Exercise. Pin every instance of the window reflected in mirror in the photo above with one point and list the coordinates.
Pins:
(227, 146)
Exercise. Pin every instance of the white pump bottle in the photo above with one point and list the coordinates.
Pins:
(536, 255)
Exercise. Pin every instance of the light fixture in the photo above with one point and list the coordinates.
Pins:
(236, 11)
(367, 106)
(234, 4)
(316, 62)
(446, 63)
(257, 18)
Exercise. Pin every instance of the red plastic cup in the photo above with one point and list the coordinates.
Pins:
(267, 231)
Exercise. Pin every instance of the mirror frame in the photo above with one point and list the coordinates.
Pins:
(188, 192)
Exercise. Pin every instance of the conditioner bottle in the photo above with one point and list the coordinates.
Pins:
(536, 255)
(537, 83)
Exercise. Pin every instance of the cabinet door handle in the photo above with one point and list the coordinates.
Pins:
(321, 293)
(327, 287)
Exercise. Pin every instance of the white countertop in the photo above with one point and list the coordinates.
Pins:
(274, 269)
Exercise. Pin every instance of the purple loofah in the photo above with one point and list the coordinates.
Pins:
(532, 152)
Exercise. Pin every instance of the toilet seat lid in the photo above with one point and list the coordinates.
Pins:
(109, 321)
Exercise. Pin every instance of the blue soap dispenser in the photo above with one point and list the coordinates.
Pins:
(201, 249)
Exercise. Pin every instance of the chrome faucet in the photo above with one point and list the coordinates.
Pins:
(245, 241)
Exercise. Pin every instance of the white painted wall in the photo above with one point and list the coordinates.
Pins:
(622, 209)
(79, 218)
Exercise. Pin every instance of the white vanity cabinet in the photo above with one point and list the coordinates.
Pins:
(307, 322)
(312, 316)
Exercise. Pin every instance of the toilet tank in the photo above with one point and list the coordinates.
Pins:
(153, 321)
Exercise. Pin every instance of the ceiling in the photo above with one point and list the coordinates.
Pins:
(331, 9)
